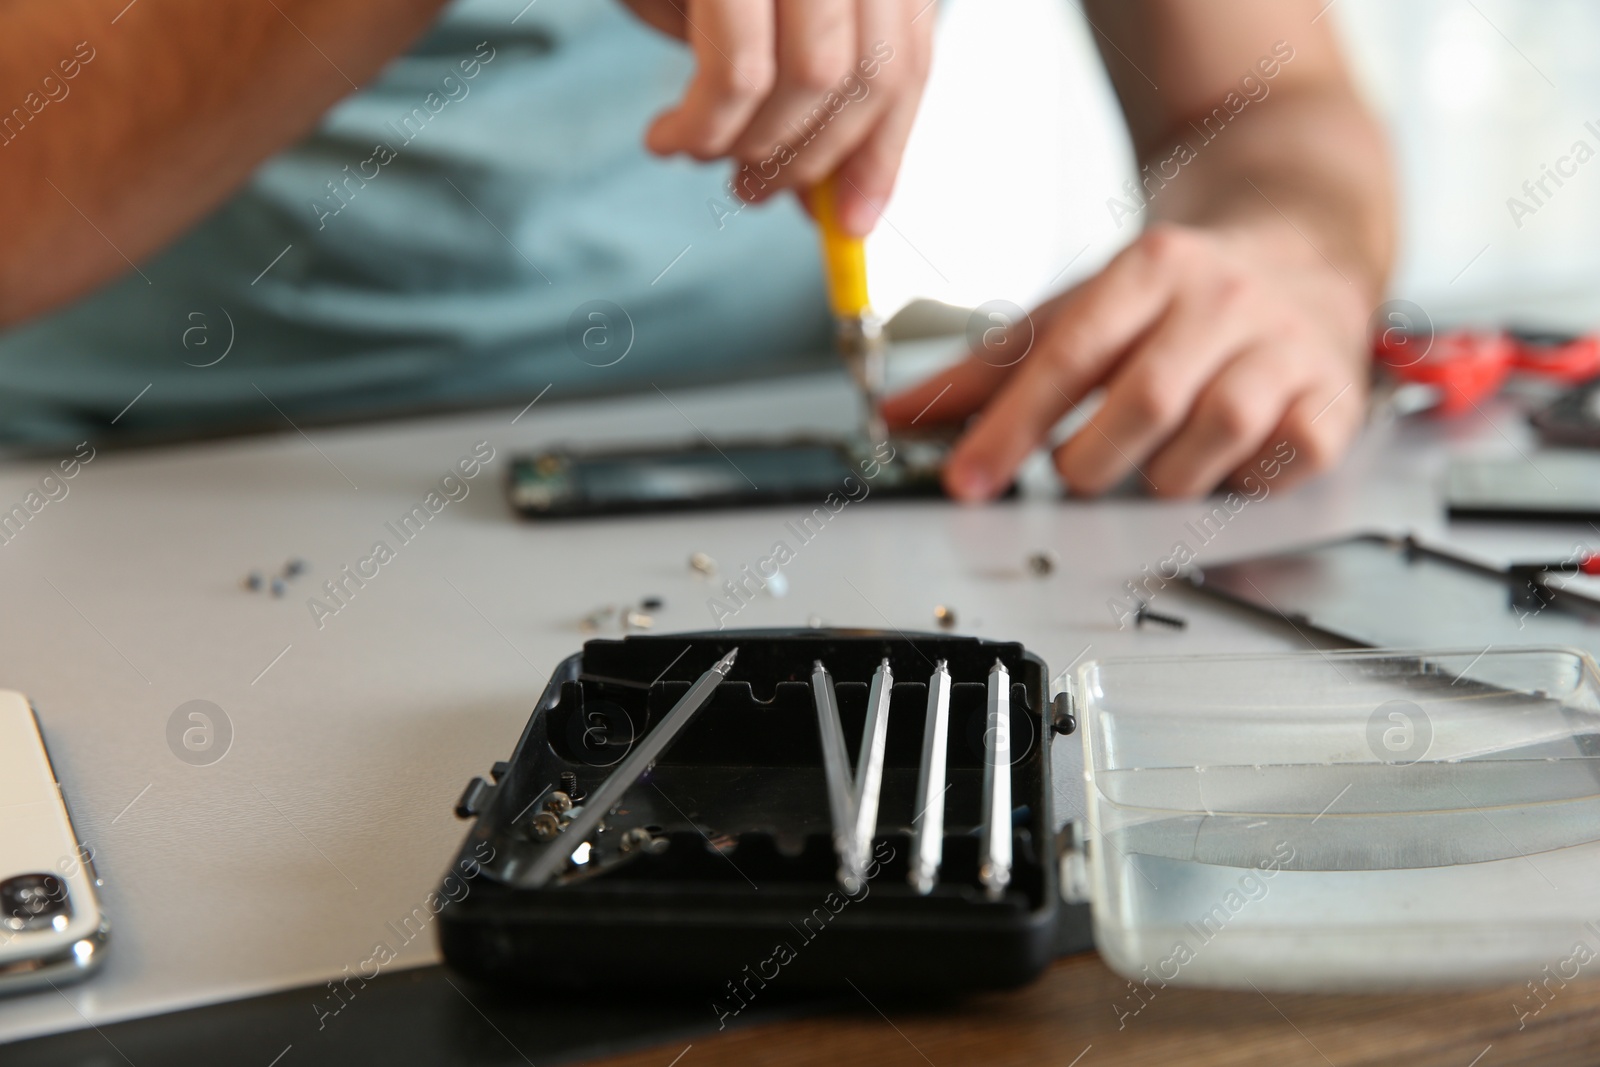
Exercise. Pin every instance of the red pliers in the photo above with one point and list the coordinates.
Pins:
(1465, 367)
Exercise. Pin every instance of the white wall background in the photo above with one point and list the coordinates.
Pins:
(1478, 96)
(1020, 143)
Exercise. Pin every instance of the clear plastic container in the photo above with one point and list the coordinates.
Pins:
(1343, 820)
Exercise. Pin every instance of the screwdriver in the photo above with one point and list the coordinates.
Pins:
(643, 756)
(928, 845)
(869, 767)
(994, 868)
(858, 333)
(836, 775)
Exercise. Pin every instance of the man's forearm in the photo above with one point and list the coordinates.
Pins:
(122, 124)
(1307, 159)
(1243, 115)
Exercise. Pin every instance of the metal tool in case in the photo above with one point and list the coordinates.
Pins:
(933, 866)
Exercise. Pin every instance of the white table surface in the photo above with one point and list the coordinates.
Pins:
(330, 816)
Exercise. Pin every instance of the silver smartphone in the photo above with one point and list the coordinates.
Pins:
(51, 927)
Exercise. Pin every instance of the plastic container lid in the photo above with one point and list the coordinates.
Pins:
(1342, 820)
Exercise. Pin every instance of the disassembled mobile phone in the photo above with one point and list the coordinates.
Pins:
(1393, 592)
(51, 927)
(561, 483)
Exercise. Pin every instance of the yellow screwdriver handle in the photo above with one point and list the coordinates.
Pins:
(844, 259)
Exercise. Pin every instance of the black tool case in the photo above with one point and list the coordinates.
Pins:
(730, 880)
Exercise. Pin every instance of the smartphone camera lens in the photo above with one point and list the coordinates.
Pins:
(34, 902)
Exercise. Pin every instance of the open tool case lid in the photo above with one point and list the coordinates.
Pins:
(1342, 820)
(719, 868)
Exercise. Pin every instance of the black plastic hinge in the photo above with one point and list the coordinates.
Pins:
(1062, 720)
(473, 798)
(498, 771)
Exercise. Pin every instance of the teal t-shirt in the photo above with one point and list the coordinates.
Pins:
(442, 240)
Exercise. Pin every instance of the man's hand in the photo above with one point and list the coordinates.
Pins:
(1235, 324)
(1214, 349)
(794, 90)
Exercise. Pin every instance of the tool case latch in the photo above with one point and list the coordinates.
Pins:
(473, 798)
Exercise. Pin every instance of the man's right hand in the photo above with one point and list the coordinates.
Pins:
(769, 78)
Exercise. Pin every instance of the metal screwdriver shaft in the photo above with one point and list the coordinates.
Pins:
(836, 769)
(858, 333)
(869, 765)
(928, 846)
(994, 868)
(630, 770)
